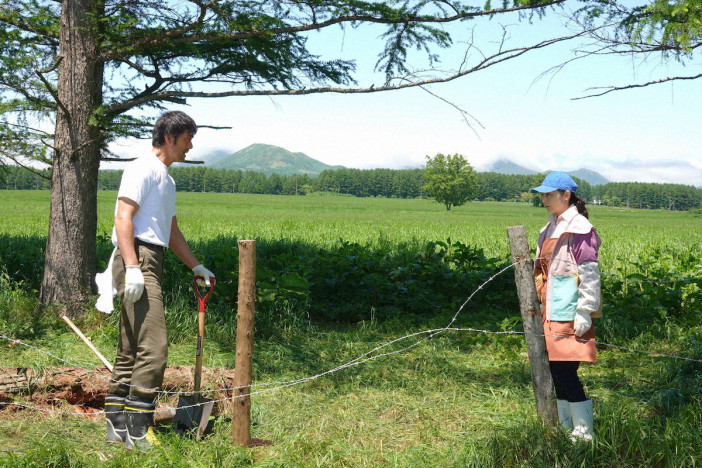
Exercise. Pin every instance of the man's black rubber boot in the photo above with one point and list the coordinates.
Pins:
(140, 423)
(116, 418)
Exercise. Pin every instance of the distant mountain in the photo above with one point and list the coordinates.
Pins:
(270, 159)
(215, 157)
(505, 166)
(206, 160)
(592, 177)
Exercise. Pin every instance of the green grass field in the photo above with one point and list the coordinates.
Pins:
(460, 399)
(323, 220)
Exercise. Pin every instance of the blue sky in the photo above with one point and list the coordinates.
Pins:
(649, 135)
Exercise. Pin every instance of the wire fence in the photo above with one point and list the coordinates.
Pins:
(378, 352)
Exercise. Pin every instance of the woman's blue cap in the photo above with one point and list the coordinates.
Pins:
(556, 181)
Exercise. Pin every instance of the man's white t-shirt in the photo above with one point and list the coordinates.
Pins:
(146, 182)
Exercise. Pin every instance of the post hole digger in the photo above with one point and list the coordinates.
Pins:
(194, 411)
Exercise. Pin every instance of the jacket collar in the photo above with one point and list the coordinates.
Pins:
(575, 222)
(566, 216)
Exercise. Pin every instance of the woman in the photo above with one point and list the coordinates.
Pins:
(568, 285)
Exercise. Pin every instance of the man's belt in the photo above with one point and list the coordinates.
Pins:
(149, 245)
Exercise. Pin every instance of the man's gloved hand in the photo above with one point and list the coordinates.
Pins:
(133, 283)
(201, 272)
(582, 322)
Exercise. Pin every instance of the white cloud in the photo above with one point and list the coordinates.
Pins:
(685, 172)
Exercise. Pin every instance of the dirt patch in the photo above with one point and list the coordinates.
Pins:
(52, 391)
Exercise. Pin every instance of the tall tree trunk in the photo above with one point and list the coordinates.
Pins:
(69, 263)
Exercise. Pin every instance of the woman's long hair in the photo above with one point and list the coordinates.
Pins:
(579, 204)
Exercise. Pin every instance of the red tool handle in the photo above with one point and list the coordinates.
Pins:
(200, 329)
(203, 300)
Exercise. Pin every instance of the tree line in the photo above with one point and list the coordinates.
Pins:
(389, 183)
(649, 195)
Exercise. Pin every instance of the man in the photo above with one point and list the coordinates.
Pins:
(145, 225)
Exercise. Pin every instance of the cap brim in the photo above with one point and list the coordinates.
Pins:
(543, 189)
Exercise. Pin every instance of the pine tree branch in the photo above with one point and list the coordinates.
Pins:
(486, 62)
(615, 37)
(49, 87)
(178, 36)
(20, 22)
(610, 89)
(108, 158)
(19, 163)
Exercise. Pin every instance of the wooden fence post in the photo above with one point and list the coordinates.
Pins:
(241, 406)
(533, 327)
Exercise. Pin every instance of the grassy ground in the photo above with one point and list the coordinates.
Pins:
(459, 399)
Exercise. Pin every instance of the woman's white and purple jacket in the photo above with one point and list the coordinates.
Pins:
(573, 281)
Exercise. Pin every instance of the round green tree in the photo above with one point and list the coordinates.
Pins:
(450, 180)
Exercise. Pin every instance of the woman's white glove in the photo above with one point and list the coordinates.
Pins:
(582, 322)
(201, 272)
(133, 283)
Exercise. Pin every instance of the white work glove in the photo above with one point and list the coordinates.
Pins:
(133, 283)
(106, 287)
(201, 272)
(582, 322)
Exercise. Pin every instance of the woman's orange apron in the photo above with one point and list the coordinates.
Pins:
(561, 342)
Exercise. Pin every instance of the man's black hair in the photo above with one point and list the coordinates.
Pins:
(174, 123)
